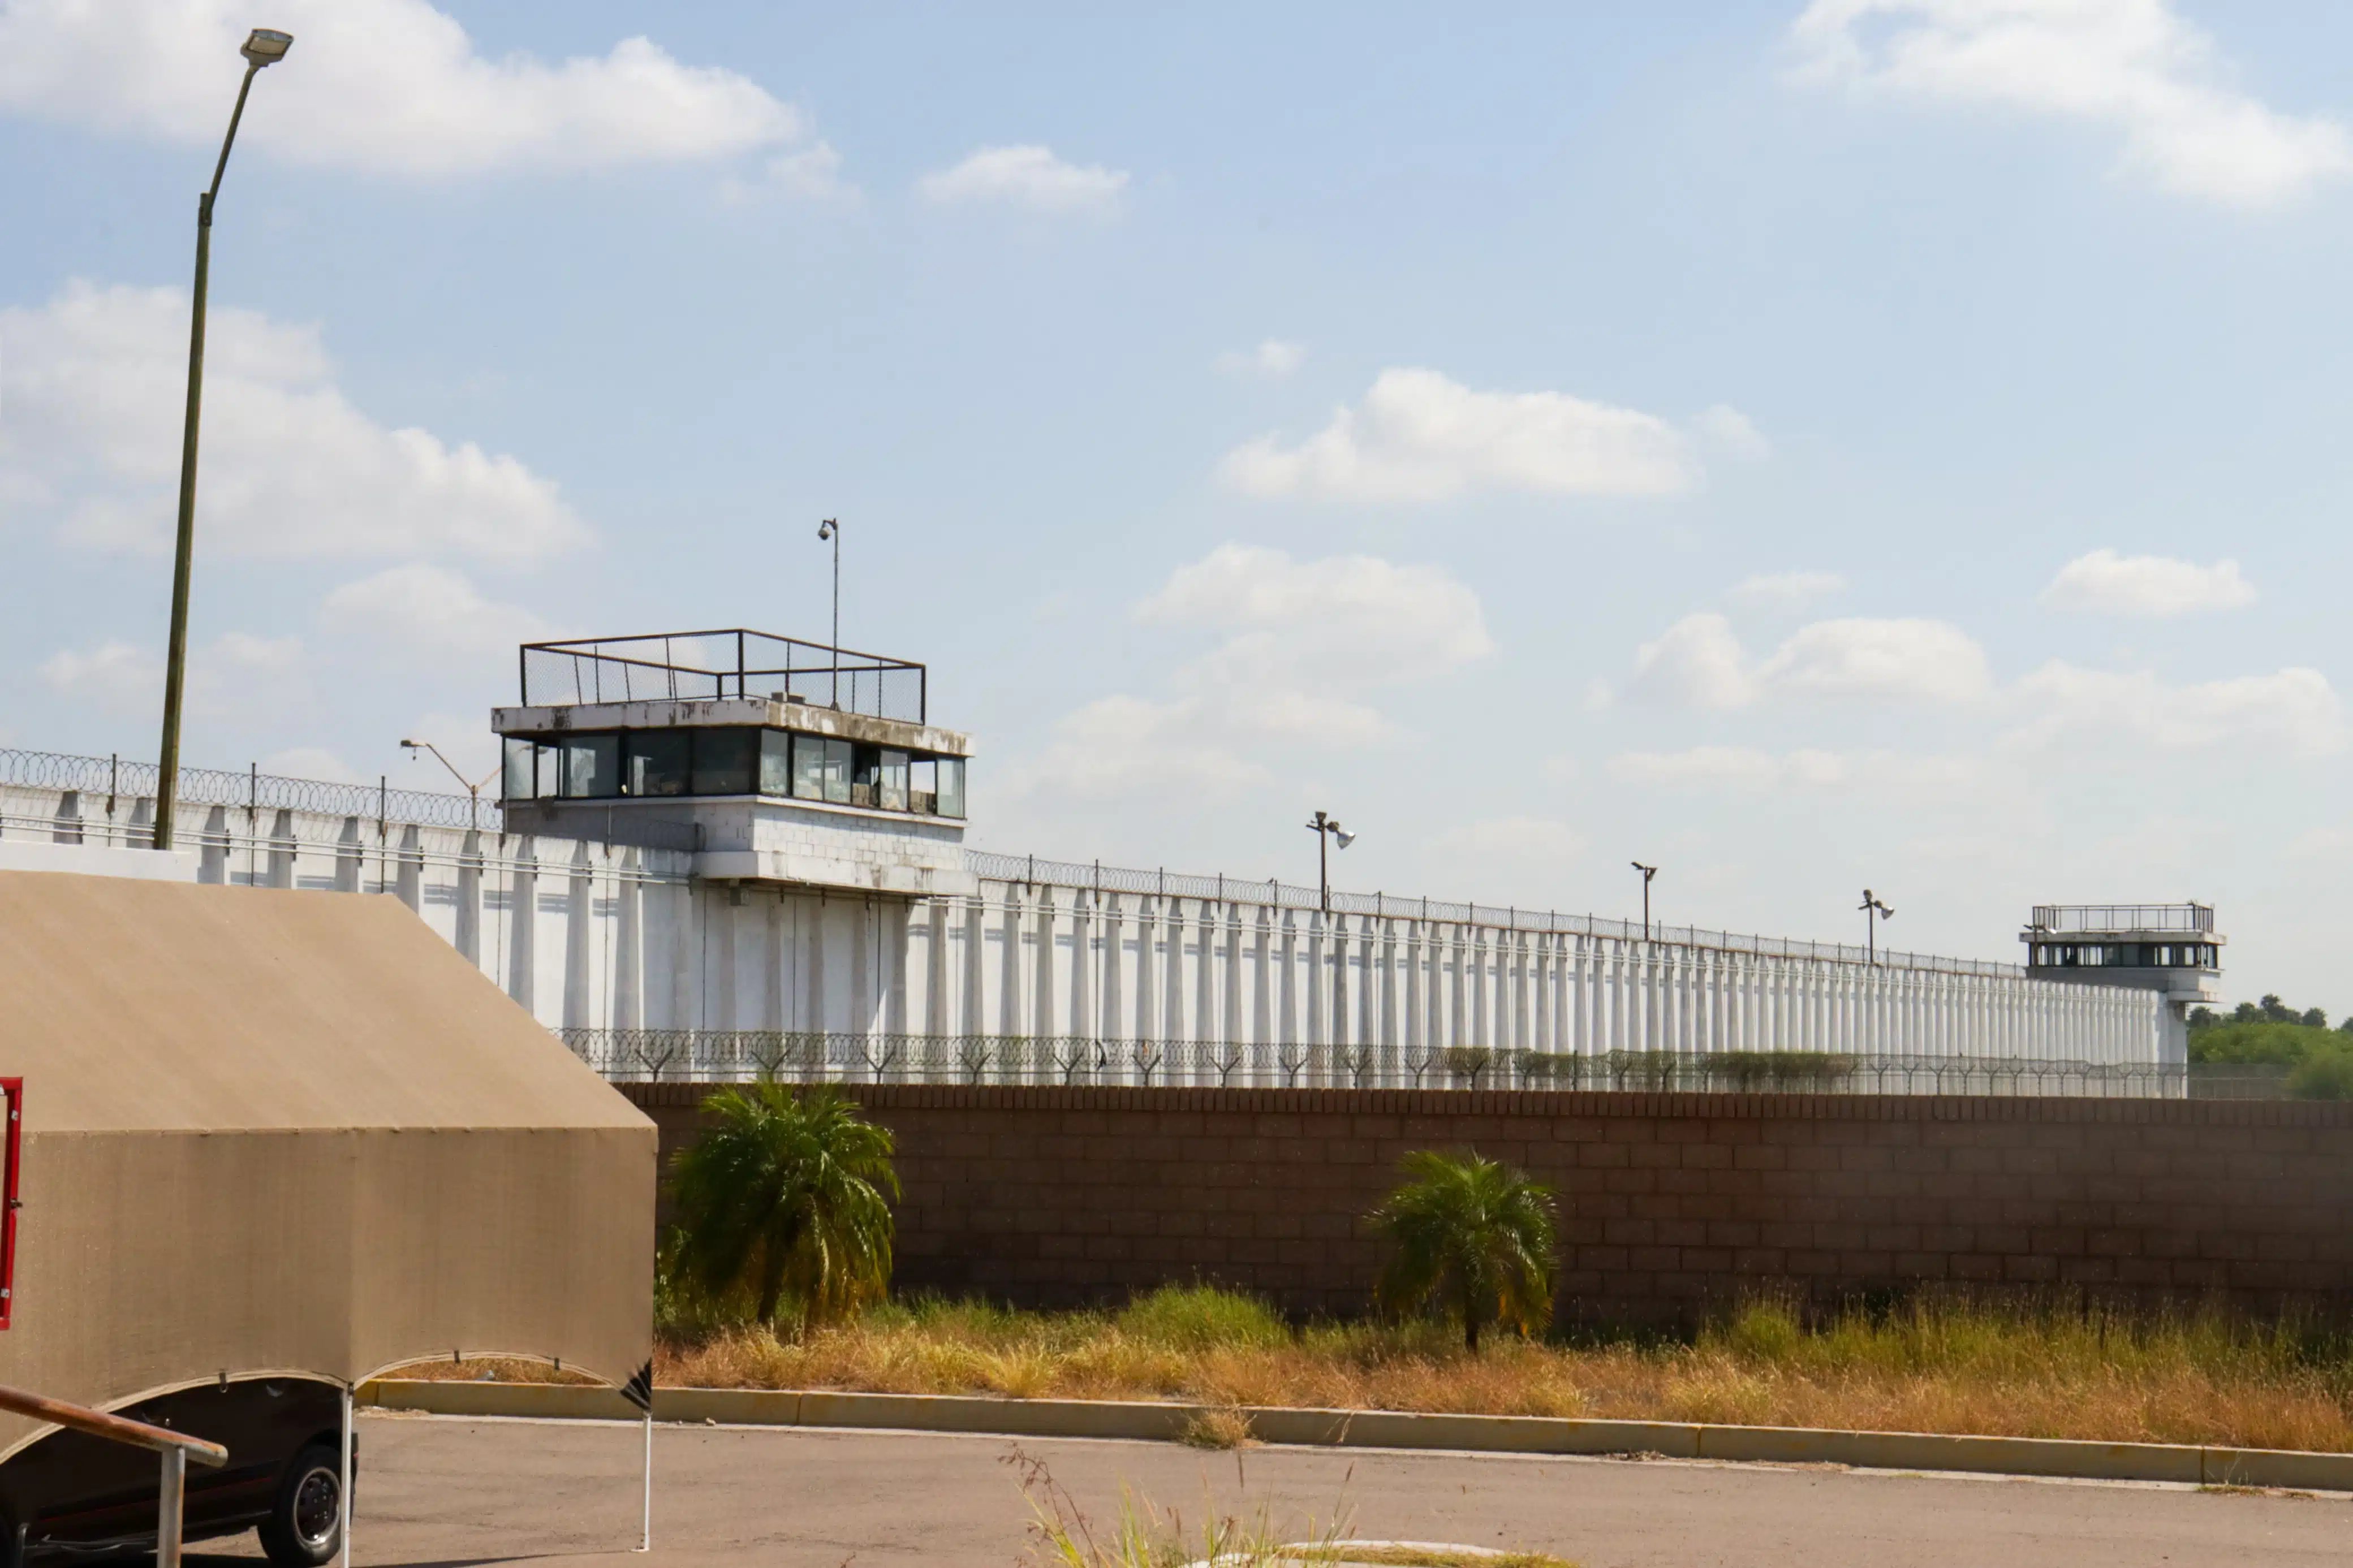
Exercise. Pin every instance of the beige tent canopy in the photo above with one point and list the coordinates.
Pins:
(291, 1132)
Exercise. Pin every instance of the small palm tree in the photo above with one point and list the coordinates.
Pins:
(786, 1191)
(1470, 1236)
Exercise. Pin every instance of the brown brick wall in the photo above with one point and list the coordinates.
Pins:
(1057, 1196)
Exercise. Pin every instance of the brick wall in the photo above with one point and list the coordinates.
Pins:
(1054, 1197)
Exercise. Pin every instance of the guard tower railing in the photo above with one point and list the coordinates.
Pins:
(175, 1448)
(2189, 916)
(731, 662)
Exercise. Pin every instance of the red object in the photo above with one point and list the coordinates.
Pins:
(14, 1088)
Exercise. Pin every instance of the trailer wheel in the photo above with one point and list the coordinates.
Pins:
(306, 1521)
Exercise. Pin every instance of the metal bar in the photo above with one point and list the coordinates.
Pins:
(646, 1529)
(114, 1428)
(343, 1484)
(171, 1507)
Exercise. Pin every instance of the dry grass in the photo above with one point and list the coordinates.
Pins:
(1933, 1366)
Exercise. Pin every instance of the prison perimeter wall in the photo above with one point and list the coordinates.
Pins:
(1053, 1197)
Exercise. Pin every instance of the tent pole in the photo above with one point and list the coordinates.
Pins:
(343, 1491)
(646, 1536)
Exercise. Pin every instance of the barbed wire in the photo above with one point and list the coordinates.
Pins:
(1097, 878)
(118, 777)
(719, 1056)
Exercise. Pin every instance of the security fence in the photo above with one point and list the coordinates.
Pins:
(714, 1055)
(122, 778)
(1035, 870)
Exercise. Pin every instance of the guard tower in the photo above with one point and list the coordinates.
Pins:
(772, 760)
(2169, 948)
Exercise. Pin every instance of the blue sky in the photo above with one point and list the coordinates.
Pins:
(1804, 445)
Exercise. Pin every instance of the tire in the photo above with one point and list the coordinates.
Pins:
(305, 1525)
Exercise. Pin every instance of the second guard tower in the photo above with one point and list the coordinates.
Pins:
(2172, 949)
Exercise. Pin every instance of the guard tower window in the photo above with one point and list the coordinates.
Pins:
(891, 781)
(661, 762)
(776, 762)
(727, 761)
(951, 801)
(591, 766)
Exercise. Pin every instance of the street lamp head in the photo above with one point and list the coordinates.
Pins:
(826, 529)
(266, 48)
(413, 745)
(1342, 836)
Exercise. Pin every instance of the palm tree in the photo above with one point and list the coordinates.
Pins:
(1472, 1237)
(786, 1191)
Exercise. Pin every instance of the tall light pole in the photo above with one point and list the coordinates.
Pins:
(1648, 872)
(472, 789)
(1874, 911)
(1327, 831)
(262, 48)
(831, 529)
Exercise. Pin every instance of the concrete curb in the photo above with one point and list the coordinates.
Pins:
(1390, 1429)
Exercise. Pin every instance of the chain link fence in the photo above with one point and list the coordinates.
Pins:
(703, 1056)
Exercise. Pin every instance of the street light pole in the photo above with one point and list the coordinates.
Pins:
(472, 789)
(1874, 911)
(262, 48)
(1326, 829)
(831, 529)
(1648, 872)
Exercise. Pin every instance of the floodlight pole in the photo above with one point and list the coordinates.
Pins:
(176, 660)
(1874, 911)
(1648, 872)
(1326, 828)
(831, 529)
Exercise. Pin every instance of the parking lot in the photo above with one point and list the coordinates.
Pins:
(445, 1493)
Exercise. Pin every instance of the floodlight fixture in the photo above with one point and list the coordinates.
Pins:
(266, 46)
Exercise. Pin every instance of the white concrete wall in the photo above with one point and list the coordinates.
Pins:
(596, 937)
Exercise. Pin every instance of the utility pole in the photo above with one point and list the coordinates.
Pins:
(262, 48)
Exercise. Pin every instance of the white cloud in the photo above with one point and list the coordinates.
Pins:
(91, 391)
(1733, 430)
(2132, 66)
(428, 612)
(1517, 839)
(1920, 661)
(1788, 590)
(1695, 663)
(1698, 663)
(1273, 358)
(1741, 766)
(812, 173)
(1031, 177)
(1305, 652)
(1342, 616)
(1747, 768)
(2295, 711)
(1121, 747)
(236, 670)
(1419, 435)
(312, 763)
(380, 86)
(2151, 586)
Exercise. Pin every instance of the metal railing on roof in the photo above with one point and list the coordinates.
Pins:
(730, 662)
(2064, 918)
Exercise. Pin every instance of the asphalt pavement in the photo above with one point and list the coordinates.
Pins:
(452, 1493)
